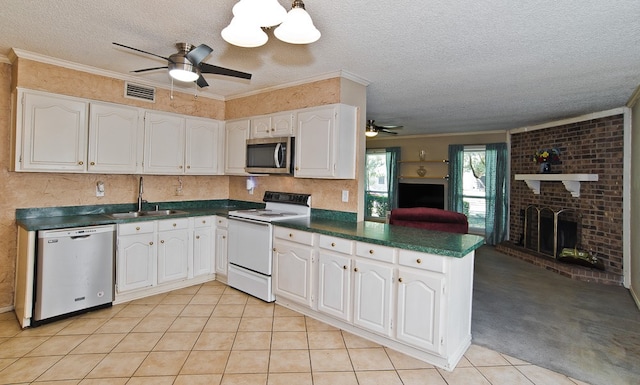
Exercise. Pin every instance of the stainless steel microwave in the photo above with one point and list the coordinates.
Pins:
(270, 155)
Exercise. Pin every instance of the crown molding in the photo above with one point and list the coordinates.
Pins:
(575, 119)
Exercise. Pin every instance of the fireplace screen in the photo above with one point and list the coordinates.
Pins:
(548, 232)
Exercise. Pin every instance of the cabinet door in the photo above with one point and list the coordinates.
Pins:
(282, 124)
(236, 135)
(204, 147)
(135, 262)
(203, 241)
(315, 143)
(261, 127)
(54, 134)
(372, 296)
(173, 255)
(419, 309)
(164, 143)
(334, 285)
(292, 272)
(113, 138)
(221, 251)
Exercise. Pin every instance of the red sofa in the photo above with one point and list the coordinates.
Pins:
(429, 218)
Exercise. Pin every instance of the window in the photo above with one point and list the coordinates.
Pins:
(376, 195)
(474, 198)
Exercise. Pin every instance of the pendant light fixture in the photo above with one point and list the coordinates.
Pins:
(250, 17)
(181, 68)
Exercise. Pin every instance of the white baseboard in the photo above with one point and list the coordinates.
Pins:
(6, 309)
(634, 295)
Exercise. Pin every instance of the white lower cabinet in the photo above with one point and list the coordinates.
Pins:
(372, 296)
(203, 245)
(293, 257)
(334, 285)
(173, 249)
(136, 256)
(221, 247)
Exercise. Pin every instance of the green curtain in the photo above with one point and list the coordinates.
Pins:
(497, 210)
(393, 156)
(456, 166)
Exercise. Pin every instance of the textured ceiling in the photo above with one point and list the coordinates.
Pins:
(433, 66)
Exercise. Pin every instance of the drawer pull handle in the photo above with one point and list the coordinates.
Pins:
(290, 235)
(333, 244)
(355, 269)
(93, 163)
(151, 243)
(399, 279)
(137, 227)
(80, 163)
(370, 251)
(418, 260)
(344, 267)
(197, 237)
(162, 241)
(174, 225)
(204, 222)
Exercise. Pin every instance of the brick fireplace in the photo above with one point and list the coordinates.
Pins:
(587, 147)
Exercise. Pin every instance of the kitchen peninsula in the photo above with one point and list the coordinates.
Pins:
(405, 288)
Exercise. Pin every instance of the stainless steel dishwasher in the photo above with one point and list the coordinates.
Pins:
(74, 271)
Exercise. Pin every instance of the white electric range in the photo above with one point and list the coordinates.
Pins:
(251, 241)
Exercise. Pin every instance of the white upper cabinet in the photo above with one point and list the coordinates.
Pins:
(326, 142)
(205, 146)
(235, 149)
(115, 143)
(273, 125)
(164, 136)
(51, 133)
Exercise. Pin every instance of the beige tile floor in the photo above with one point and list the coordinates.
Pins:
(212, 334)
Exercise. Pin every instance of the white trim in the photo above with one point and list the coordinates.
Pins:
(4, 59)
(6, 309)
(420, 136)
(575, 119)
(626, 198)
(634, 98)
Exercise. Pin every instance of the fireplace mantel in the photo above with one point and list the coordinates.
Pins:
(571, 181)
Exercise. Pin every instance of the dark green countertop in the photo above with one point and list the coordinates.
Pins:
(322, 221)
(425, 241)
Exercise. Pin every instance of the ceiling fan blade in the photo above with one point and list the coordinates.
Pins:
(150, 69)
(211, 69)
(139, 50)
(202, 82)
(387, 131)
(390, 127)
(198, 54)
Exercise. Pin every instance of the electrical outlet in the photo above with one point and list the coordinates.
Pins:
(99, 189)
(345, 195)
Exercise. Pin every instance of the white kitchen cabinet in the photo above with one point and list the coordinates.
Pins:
(372, 296)
(221, 247)
(115, 141)
(205, 146)
(326, 142)
(173, 249)
(420, 309)
(334, 284)
(293, 265)
(136, 256)
(273, 125)
(51, 133)
(236, 135)
(203, 245)
(164, 143)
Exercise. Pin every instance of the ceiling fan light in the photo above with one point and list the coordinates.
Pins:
(182, 70)
(370, 132)
(244, 33)
(266, 13)
(298, 27)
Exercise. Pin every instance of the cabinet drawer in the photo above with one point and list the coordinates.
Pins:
(291, 235)
(222, 222)
(422, 261)
(337, 244)
(173, 224)
(203, 221)
(136, 228)
(377, 252)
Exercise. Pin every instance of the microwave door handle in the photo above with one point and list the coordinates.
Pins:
(276, 155)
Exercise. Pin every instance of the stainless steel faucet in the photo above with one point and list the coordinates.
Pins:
(140, 191)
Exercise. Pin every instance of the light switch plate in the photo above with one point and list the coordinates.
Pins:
(345, 195)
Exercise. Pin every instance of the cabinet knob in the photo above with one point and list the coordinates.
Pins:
(290, 235)
(80, 163)
(224, 237)
(274, 249)
(204, 221)
(197, 237)
(344, 267)
(174, 225)
(137, 228)
(93, 163)
(188, 167)
(333, 244)
(399, 279)
(297, 169)
(370, 251)
(151, 243)
(162, 241)
(418, 260)
(355, 269)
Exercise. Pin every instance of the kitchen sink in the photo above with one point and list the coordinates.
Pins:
(150, 213)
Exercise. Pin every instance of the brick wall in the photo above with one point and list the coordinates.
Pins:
(588, 147)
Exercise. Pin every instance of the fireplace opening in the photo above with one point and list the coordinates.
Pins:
(548, 231)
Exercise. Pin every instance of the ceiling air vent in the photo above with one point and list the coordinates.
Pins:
(135, 91)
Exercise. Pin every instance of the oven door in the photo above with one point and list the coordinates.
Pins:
(250, 244)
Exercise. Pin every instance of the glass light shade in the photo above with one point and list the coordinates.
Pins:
(297, 28)
(244, 33)
(184, 75)
(266, 13)
(181, 69)
(370, 134)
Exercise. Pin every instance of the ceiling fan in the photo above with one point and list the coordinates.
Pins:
(372, 129)
(186, 65)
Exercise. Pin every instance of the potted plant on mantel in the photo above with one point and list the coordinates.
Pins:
(545, 158)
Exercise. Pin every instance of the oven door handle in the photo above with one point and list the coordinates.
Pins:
(276, 155)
